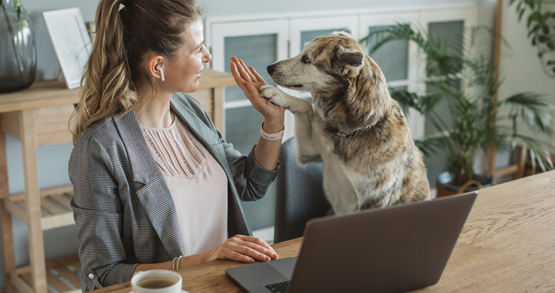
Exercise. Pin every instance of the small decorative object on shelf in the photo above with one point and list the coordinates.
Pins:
(71, 42)
(18, 54)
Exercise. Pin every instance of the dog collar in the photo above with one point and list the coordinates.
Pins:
(353, 134)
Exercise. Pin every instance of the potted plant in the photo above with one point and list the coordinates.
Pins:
(465, 84)
(539, 23)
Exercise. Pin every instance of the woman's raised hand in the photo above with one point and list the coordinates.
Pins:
(250, 82)
(244, 249)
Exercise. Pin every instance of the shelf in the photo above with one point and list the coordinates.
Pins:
(55, 207)
(62, 275)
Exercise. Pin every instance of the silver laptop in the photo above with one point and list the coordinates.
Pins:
(394, 249)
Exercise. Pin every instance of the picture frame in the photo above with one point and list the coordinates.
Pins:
(71, 42)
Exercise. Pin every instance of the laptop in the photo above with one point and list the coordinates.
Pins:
(393, 249)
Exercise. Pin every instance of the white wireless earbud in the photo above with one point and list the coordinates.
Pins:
(159, 67)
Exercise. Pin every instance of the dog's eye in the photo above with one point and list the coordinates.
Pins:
(305, 59)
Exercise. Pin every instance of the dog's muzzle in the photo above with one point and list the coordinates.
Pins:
(271, 69)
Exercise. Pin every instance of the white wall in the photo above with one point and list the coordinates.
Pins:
(53, 159)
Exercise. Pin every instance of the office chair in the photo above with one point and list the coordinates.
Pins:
(299, 194)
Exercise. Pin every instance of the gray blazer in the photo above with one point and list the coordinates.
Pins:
(122, 206)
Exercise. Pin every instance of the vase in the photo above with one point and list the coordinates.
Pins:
(18, 54)
(445, 187)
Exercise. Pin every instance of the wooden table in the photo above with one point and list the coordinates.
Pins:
(507, 245)
(39, 116)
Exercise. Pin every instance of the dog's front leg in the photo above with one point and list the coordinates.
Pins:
(302, 110)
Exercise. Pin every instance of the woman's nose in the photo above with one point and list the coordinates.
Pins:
(207, 56)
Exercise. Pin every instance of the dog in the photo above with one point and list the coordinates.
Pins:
(354, 126)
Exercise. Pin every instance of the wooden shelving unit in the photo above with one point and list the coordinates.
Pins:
(55, 209)
(39, 116)
(62, 275)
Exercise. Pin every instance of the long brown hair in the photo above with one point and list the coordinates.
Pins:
(126, 30)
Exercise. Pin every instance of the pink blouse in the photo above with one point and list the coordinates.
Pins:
(197, 183)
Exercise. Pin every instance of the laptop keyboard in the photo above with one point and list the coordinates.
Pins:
(278, 287)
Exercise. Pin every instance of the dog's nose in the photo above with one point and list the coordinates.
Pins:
(271, 69)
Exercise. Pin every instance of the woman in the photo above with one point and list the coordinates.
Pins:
(155, 185)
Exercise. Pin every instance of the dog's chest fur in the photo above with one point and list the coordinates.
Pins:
(350, 179)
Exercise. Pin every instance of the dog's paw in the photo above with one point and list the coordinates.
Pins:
(275, 95)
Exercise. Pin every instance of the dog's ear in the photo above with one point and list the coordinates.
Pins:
(351, 59)
(347, 31)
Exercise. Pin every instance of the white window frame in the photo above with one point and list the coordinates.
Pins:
(468, 16)
(249, 28)
(216, 32)
(299, 25)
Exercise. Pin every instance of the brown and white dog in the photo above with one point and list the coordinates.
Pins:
(354, 126)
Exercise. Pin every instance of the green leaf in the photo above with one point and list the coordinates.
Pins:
(535, 15)
(520, 15)
(532, 108)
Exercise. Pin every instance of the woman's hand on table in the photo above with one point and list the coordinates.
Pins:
(244, 249)
(250, 82)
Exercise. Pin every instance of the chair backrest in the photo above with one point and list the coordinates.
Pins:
(299, 194)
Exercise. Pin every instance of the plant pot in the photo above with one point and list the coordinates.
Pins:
(444, 187)
(18, 54)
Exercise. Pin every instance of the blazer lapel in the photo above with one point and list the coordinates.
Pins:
(154, 195)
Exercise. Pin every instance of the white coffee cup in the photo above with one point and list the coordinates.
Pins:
(142, 282)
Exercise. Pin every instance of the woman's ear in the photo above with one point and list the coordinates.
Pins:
(155, 67)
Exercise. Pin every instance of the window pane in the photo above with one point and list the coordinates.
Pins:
(257, 51)
(307, 36)
(243, 131)
(260, 214)
(242, 127)
(392, 90)
(391, 57)
(450, 37)
(436, 163)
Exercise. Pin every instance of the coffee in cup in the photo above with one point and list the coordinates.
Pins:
(156, 281)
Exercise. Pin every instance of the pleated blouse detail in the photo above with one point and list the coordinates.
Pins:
(197, 183)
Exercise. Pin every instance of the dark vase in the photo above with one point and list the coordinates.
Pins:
(18, 54)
